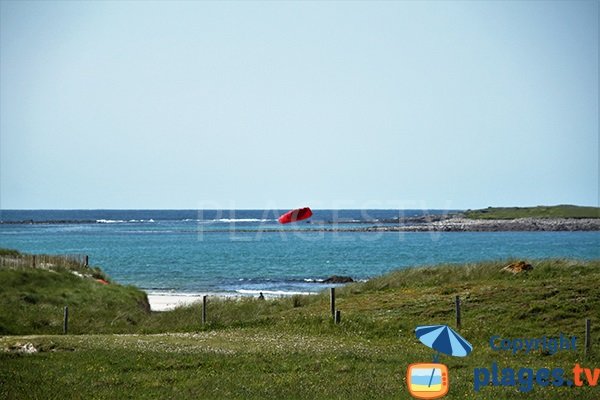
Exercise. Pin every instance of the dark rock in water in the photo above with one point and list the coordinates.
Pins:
(338, 279)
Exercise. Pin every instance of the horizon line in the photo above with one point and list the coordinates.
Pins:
(282, 208)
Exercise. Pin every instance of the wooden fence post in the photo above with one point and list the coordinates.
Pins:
(588, 341)
(332, 301)
(204, 309)
(66, 320)
(86, 261)
(33, 261)
(457, 305)
(338, 316)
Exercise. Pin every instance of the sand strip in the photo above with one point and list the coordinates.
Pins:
(166, 302)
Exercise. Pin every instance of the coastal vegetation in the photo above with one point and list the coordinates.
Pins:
(289, 347)
(32, 299)
(560, 211)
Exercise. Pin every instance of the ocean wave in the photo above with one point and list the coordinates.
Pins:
(154, 231)
(172, 293)
(229, 220)
(271, 292)
(122, 221)
(286, 281)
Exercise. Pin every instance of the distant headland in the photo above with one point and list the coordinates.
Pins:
(539, 218)
(491, 219)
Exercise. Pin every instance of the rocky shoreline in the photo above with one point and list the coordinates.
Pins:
(459, 224)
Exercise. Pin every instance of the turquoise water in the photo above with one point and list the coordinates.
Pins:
(228, 255)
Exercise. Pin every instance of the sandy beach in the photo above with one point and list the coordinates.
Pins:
(170, 301)
(167, 302)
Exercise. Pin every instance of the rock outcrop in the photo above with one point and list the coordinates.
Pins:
(518, 267)
(338, 279)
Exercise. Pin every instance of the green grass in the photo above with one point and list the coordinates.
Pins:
(561, 211)
(9, 252)
(289, 348)
(32, 300)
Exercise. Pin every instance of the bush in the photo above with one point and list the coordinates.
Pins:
(9, 252)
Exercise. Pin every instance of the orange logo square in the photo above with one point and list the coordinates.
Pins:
(427, 380)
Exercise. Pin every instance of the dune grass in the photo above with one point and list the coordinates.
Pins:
(9, 252)
(290, 348)
(32, 299)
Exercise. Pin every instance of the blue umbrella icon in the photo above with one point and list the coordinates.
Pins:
(443, 339)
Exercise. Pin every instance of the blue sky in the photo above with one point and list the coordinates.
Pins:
(283, 104)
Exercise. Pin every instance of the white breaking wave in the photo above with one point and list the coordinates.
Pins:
(242, 220)
(175, 294)
(121, 221)
(272, 292)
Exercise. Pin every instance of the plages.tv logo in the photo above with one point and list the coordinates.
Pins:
(432, 380)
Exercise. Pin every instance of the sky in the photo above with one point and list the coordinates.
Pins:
(186, 105)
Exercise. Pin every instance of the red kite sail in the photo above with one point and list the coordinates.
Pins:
(295, 215)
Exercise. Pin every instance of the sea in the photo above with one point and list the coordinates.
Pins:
(245, 252)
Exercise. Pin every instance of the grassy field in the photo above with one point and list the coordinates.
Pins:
(562, 211)
(290, 348)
